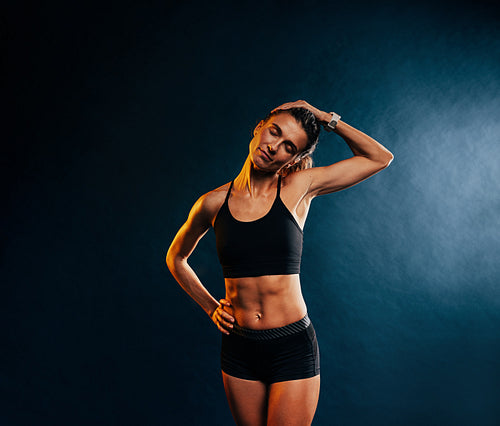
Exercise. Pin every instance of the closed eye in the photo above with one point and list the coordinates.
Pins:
(275, 130)
(291, 148)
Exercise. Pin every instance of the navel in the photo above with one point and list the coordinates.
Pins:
(258, 316)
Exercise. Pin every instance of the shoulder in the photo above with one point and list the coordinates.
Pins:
(208, 205)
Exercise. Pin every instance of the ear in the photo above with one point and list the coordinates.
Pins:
(258, 127)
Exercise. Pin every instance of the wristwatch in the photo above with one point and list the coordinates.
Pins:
(330, 127)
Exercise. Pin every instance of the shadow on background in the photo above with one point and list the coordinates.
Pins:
(121, 116)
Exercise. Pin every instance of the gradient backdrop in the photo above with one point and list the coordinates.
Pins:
(121, 114)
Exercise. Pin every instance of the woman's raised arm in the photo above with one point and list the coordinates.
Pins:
(369, 158)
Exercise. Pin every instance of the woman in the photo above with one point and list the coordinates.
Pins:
(270, 358)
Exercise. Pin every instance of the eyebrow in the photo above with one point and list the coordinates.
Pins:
(278, 128)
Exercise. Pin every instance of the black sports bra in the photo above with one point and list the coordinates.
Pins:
(270, 245)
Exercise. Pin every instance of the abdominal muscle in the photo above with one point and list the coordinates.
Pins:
(265, 302)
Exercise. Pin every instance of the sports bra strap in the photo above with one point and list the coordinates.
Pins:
(270, 245)
(229, 191)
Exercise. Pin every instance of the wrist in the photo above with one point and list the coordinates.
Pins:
(212, 310)
(331, 124)
(339, 127)
(324, 118)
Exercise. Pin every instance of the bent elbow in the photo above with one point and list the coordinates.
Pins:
(174, 260)
(386, 159)
(170, 259)
(390, 157)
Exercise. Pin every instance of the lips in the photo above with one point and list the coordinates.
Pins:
(264, 154)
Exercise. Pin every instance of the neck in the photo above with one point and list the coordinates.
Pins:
(254, 180)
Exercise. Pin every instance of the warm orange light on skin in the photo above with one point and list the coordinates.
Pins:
(277, 142)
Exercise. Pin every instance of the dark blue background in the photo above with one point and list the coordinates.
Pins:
(120, 115)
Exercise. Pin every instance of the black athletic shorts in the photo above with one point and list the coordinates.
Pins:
(274, 355)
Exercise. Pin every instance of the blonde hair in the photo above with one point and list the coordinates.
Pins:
(305, 162)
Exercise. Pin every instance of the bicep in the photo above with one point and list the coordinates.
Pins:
(188, 236)
(342, 175)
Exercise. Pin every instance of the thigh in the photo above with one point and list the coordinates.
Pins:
(293, 402)
(293, 357)
(247, 400)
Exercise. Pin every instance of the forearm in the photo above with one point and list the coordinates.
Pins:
(363, 145)
(189, 281)
(359, 143)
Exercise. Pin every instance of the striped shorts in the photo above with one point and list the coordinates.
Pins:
(274, 355)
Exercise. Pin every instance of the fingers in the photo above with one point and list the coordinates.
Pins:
(225, 302)
(288, 105)
(296, 104)
(223, 319)
(320, 115)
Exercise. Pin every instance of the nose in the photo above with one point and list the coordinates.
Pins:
(271, 148)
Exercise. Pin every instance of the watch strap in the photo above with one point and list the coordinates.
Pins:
(330, 127)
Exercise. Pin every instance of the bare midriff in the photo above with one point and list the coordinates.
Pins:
(265, 302)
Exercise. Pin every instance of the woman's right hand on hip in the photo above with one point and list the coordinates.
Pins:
(222, 319)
